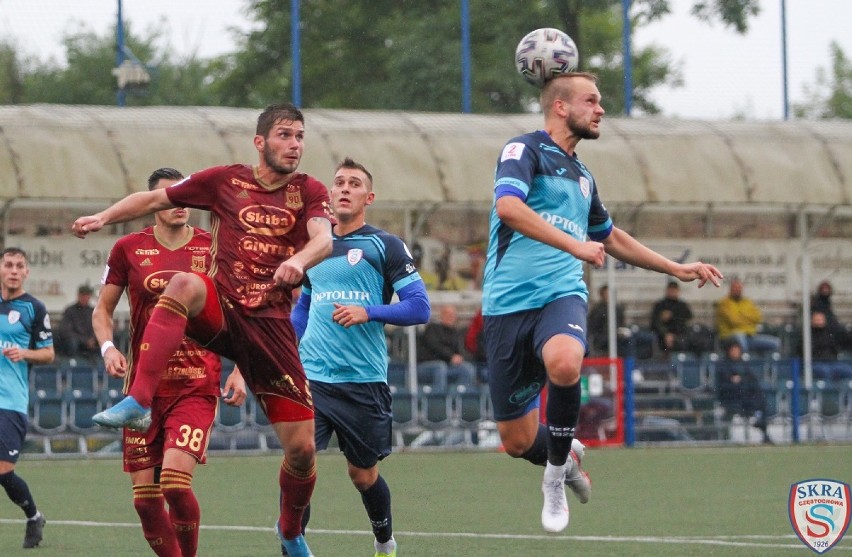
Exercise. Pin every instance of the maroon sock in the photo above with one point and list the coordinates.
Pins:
(296, 489)
(183, 508)
(156, 526)
(163, 336)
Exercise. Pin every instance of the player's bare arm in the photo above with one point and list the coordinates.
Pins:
(349, 315)
(292, 271)
(115, 362)
(131, 207)
(625, 247)
(37, 356)
(518, 215)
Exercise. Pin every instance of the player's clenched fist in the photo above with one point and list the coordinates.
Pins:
(84, 225)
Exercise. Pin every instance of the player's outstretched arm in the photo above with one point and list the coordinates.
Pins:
(517, 215)
(133, 206)
(115, 362)
(628, 249)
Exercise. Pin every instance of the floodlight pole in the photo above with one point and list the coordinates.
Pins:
(465, 55)
(784, 58)
(295, 49)
(119, 53)
(627, 56)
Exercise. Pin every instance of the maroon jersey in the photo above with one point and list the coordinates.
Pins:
(143, 266)
(256, 226)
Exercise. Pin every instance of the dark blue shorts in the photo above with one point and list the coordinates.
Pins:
(13, 429)
(360, 414)
(513, 345)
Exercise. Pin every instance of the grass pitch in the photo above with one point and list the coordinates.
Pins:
(720, 501)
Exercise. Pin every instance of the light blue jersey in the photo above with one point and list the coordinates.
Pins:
(24, 324)
(521, 273)
(365, 268)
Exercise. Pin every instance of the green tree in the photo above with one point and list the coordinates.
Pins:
(831, 95)
(87, 77)
(406, 54)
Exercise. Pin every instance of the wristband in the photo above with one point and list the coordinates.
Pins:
(106, 346)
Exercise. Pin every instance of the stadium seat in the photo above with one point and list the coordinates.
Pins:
(82, 379)
(50, 414)
(691, 372)
(45, 381)
(435, 409)
(470, 410)
(404, 415)
(80, 411)
(231, 418)
(112, 390)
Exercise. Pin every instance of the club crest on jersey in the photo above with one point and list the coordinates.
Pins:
(198, 264)
(820, 512)
(354, 256)
(585, 186)
(14, 316)
(293, 200)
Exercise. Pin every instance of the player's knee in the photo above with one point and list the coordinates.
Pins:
(563, 373)
(300, 455)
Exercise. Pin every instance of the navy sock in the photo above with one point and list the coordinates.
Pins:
(563, 411)
(377, 501)
(19, 492)
(537, 453)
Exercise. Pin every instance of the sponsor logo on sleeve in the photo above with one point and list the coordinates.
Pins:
(512, 151)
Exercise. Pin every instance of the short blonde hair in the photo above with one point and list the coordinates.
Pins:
(560, 88)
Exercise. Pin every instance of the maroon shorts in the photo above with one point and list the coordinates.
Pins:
(177, 422)
(266, 351)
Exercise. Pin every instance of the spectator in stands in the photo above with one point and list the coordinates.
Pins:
(26, 339)
(821, 302)
(670, 320)
(739, 390)
(825, 350)
(440, 353)
(738, 319)
(598, 321)
(75, 337)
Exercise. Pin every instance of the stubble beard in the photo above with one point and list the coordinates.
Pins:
(583, 131)
(269, 159)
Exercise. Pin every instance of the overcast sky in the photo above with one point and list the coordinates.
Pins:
(726, 75)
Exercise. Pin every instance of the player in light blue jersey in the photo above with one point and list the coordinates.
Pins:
(546, 221)
(26, 339)
(340, 317)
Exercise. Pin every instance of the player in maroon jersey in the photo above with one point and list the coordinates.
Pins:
(162, 459)
(269, 224)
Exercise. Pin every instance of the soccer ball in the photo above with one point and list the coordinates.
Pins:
(544, 54)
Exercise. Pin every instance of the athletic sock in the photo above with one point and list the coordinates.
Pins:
(296, 489)
(537, 453)
(377, 501)
(19, 493)
(156, 525)
(563, 411)
(184, 510)
(162, 337)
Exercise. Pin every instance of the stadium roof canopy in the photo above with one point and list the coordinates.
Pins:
(97, 154)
